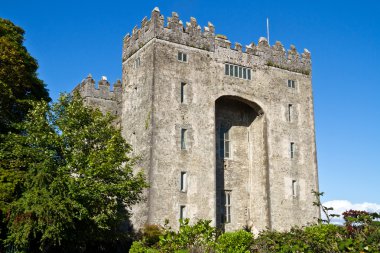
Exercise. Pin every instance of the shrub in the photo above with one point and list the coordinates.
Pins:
(234, 242)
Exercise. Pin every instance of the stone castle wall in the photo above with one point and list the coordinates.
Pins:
(101, 97)
(269, 188)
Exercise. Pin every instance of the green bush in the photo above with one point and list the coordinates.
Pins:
(199, 237)
(139, 247)
(234, 242)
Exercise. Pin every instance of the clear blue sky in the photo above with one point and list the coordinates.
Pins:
(73, 38)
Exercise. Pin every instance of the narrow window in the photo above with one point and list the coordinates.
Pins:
(183, 138)
(240, 72)
(248, 74)
(183, 181)
(226, 144)
(292, 147)
(183, 92)
(231, 70)
(137, 63)
(227, 206)
(244, 73)
(227, 69)
(294, 188)
(182, 212)
(290, 112)
(236, 73)
(291, 84)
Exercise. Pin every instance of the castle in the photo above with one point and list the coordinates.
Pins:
(224, 134)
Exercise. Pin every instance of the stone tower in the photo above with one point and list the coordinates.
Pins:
(223, 133)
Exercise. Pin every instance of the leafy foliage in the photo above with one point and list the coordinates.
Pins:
(70, 180)
(360, 234)
(19, 83)
(234, 242)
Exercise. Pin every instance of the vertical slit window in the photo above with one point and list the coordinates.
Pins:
(292, 149)
(248, 74)
(240, 72)
(183, 92)
(244, 73)
(236, 73)
(290, 112)
(227, 206)
(231, 70)
(182, 212)
(225, 143)
(294, 188)
(227, 69)
(183, 138)
(183, 182)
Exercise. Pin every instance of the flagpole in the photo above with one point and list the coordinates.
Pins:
(268, 30)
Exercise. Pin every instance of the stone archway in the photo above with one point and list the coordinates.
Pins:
(240, 155)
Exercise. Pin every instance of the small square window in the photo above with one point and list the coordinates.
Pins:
(291, 84)
(182, 57)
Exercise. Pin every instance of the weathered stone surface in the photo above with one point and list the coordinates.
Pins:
(268, 188)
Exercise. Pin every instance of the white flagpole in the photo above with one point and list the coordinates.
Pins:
(268, 30)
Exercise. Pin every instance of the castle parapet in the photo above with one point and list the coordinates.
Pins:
(194, 36)
(87, 89)
(190, 35)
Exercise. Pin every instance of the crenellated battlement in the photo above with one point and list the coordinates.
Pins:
(87, 89)
(174, 30)
(191, 34)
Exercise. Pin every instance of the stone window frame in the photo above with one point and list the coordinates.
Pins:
(292, 150)
(183, 181)
(183, 138)
(137, 62)
(294, 188)
(183, 93)
(290, 113)
(182, 57)
(189, 137)
(237, 71)
(227, 195)
(182, 211)
(188, 98)
(292, 84)
(222, 142)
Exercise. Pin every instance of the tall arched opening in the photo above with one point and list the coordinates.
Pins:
(241, 179)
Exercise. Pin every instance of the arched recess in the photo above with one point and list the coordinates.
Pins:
(241, 163)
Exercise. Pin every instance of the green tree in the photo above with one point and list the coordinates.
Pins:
(19, 83)
(75, 181)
